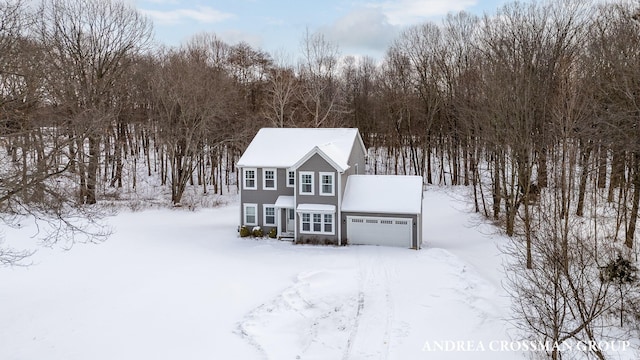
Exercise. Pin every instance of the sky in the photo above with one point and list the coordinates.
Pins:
(358, 27)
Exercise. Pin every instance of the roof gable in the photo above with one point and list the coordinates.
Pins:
(285, 147)
(329, 153)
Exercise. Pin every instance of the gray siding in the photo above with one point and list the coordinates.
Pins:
(417, 224)
(317, 164)
(261, 197)
(357, 156)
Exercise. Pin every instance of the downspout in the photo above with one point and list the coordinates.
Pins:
(240, 187)
(421, 218)
(339, 219)
(295, 205)
(278, 213)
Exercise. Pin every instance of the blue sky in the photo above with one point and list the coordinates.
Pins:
(359, 27)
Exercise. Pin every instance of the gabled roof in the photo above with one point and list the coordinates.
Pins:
(284, 147)
(387, 194)
(330, 153)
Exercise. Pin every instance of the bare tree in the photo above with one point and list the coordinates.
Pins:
(615, 55)
(319, 84)
(195, 104)
(35, 166)
(422, 46)
(281, 89)
(360, 82)
(90, 44)
(563, 296)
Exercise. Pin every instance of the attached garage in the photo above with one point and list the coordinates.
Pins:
(383, 210)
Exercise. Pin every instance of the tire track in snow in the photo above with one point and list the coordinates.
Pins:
(356, 324)
(310, 319)
(371, 334)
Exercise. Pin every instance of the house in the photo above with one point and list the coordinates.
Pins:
(309, 185)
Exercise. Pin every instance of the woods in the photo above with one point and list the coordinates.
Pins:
(535, 108)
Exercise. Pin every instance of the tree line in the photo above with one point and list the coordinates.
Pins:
(536, 108)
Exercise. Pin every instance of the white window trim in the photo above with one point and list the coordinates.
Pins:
(244, 214)
(301, 223)
(264, 179)
(244, 179)
(322, 223)
(333, 184)
(333, 223)
(302, 173)
(264, 215)
(289, 178)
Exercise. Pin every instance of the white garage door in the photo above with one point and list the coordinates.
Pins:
(369, 230)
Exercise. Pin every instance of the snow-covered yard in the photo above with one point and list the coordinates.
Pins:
(179, 284)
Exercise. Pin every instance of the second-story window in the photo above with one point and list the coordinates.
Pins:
(249, 179)
(291, 178)
(327, 184)
(269, 179)
(306, 182)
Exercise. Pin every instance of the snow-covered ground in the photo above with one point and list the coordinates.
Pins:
(180, 284)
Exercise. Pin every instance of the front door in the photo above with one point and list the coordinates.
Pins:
(291, 220)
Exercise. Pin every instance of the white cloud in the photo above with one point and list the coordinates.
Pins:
(201, 14)
(364, 28)
(405, 12)
(237, 36)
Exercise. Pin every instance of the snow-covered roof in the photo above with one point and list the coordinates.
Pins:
(394, 194)
(284, 147)
(316, 208)
(284, 202)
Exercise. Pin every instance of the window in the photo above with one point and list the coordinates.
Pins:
(250, 214)
(306, 182)
(269, 215)
(269, 179)
(291, 179)
(326, 184)
(328, 223)
(306, 222)
(249, 179)
(317, 223)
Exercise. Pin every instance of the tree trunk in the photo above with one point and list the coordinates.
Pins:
(586, 153)
(543, 173)
(92, 168)
(602, 168)
(81, 171)
(631, 229)
(617, 173)
(496, 187)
